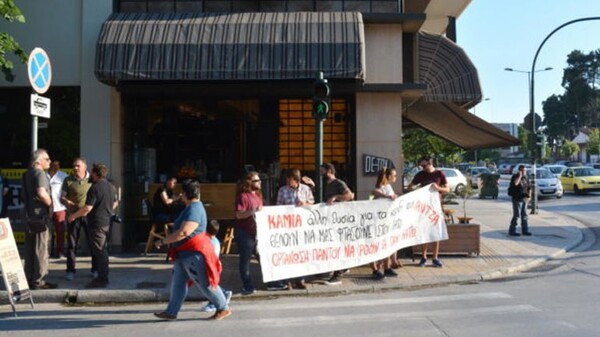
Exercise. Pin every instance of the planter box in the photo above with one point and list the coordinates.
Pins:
(463, 239)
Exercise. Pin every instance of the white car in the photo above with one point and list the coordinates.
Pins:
(456, 180)
(516, 167)
(556, 170)
(547, 184)
(474, 173)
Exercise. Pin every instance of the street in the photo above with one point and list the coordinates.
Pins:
(558, 298)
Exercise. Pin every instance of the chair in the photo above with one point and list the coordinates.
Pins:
(227, 240)
(158, 230)
(448, 216)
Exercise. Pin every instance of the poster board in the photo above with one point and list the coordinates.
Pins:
(11, 267)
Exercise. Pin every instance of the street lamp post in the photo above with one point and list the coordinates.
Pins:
(534, 201)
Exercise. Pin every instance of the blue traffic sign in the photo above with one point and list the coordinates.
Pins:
(39, 70)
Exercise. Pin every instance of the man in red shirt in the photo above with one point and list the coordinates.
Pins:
(429, 175)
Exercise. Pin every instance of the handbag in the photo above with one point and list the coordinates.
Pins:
(37, 224)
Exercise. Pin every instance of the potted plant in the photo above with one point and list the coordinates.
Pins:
(465, 193)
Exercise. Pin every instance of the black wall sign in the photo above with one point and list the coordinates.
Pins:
(372, 164)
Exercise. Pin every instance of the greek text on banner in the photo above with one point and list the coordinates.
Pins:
(298, 241)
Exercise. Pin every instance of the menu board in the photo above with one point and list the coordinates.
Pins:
(11, 266)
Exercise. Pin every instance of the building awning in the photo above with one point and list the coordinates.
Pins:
(447, 71)
(458, 126)
(230, 47)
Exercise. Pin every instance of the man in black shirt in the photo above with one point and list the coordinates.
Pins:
(519, 184)
(99, 205)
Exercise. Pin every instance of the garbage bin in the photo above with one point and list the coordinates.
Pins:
(489, 185)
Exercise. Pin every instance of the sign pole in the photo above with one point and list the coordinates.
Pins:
(34, 133)
(39, 71)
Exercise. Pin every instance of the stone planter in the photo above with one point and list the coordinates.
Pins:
(463, 239)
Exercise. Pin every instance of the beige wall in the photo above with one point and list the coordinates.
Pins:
(379, 133)
(383, 44)
(379, 115)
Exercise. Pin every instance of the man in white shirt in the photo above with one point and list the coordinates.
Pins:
(57, 231)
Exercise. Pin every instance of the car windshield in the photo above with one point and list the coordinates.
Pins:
(555, 169)
(586, 172)
(544, 174)
(449, 173)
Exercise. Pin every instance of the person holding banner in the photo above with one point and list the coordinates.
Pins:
(38, 201)
(335, 190)
(430, 175)
(384, 190)
(295, 193)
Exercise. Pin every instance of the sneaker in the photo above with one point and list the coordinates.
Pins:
(208, 308)
(437, 263)
(527, 233)
(248, 290)
(390, 273)
(334, 280)
(423, 262)
(220, 314)
(378, 275)
(344, 271)
(276, 286)
(514, 234)
(97, 283)
(228, 295)
(70, 276)
(164, 315)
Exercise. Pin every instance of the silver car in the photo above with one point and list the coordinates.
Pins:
(547, 184)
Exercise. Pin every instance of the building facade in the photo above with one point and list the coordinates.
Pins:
(210, 89)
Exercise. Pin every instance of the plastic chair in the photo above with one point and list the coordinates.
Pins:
(158, 230)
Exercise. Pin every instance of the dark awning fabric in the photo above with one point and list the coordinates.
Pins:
(235, 46)
(458, 126)
(447, 71)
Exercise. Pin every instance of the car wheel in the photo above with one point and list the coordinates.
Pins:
(459, 188)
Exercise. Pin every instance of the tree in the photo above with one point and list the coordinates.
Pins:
(524, 137)
(593, 144)
(11, 13)
(568, 149)
(418, 142)
(555, 119)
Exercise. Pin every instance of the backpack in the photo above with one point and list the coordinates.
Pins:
(511, 190)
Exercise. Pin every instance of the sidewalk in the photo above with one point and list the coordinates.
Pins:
(136, 278)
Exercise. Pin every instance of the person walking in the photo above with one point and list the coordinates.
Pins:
(430, 175)
(520, 192)
(74, 190)
(295, 193)
(195, 257)
(57, 231)
(38, 203)
(99, 205)
(384, 190)
(335, 190)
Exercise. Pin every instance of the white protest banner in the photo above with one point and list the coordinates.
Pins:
(11, 266)
(297, 241)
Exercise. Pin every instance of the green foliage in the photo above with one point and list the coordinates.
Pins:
(524, 135)
(11, 13)
(418, 142)
(593, 144)
(568, 149)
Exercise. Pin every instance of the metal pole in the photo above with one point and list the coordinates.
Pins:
(319, 158)
(34, 133)
(531, 109)
(533, 144)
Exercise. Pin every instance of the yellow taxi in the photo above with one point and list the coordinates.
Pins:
(580, 179)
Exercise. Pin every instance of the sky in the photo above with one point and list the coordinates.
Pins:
(498, 34)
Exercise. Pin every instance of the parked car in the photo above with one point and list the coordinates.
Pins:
(555, 169)
(504, 168)
(456, 180)
(594, 165)
(580, 179)
(474, 173)
(547, 184)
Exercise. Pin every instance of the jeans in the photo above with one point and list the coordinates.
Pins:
(74, 232)
(98, 235)
(192, 267)
(519, 211)
(246, 247)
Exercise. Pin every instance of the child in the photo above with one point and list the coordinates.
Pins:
(212, 229)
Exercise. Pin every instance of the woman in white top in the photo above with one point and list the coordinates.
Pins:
(383, 189)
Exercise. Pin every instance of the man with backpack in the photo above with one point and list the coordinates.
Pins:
(519, 190)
